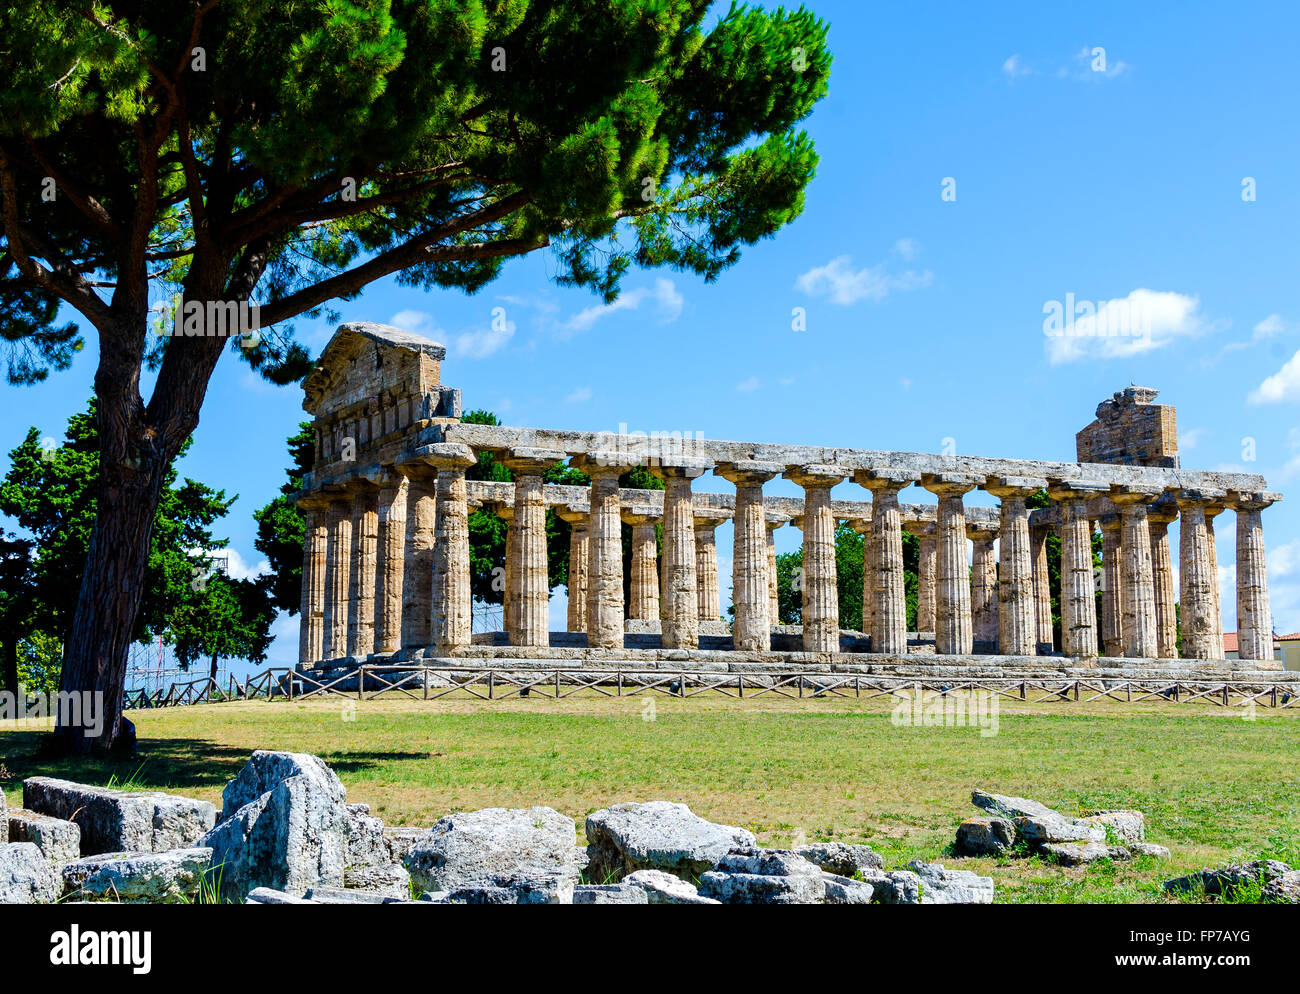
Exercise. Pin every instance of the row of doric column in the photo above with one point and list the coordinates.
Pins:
(386, 561)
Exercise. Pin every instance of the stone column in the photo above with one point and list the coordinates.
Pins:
(678, 585)
(453, 617)
(1137, 595)
(1159, 517)
(1043, 637)
(1017, 611)
(1112, 632)
(707, 597)
(578, 552)
(954, 633)
(749, 586)
(1198, 576)
(361, 583)
(509, 592)
(1254, 621)
(1212, 511)
(643, 586)
(417, 568)
(889, 616)
(605, 552)
(984, 584)
(820, 598)
(925, 572)
(774, 520)
(338, 577)
(1078, 589)
(315, 556)
(390, 568)
(864, 528)
(532, 583)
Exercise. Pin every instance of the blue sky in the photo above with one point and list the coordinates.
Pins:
(925, 316)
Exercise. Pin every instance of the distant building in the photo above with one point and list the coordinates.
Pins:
(1285, 648)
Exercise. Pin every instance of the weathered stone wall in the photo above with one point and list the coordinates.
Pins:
(1131, 431)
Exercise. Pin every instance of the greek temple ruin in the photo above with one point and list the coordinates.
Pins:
(386, 566)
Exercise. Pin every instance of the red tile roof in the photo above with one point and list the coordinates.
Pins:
(1229, 641)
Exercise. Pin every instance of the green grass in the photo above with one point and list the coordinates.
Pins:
(1214, 787)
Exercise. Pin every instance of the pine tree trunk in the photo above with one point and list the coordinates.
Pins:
(11, 664)
(212, 673)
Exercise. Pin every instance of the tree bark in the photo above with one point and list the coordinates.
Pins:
(11, 665)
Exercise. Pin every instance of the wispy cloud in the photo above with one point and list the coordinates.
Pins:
(1144, 321)
(1282, 386)
(1014, 67)
(1271, 327)
(579, 396)
(663, 295)
(477, 343)
(843, 284)
(749, 385)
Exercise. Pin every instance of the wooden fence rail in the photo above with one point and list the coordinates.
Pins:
(431, 683)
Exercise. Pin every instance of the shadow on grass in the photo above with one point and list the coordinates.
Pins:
(165, 764)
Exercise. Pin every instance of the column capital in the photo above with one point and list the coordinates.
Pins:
(775, 519)
(639, 514)
(1120, 494)
(1199, 496)
(596, 464)
(1164, 511)
(1109, 522)
(950, 484)
(503, 510)
(527, 460)
(311, 500)
(1240, 500)
(1014, 487)
(447, 455)
(680, 467)
(979, 531)
(884, 480)
(749, 471)
(1062, 490)
(919, 527)
(861, 525)
(572, 513)
(711, 517)
(816, 475)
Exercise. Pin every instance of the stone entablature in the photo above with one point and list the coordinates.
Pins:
(386, 568)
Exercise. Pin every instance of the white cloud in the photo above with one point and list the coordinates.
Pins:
(1142, 322)
(663, 295)
(844, 285)
(579, 396)
(749, 385)
(1014, 68)
(1190, 438)
(1284, 385)
(237, 567)
(476, 344)
(908, 248)
(1271, 327)
(1096, 65)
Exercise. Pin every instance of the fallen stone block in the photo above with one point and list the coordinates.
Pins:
(1283, 889)
(517, 889)
(399, 841)
(1148, 849)
(845, 890)
(480, 848)
(26, 876)
(656, 835)
(1126, 826)
(1006, 806)
(985, 837)
(366, 846)
(1224, 882)
(666, 888)
(609, 894)
(1043, 831)
(267, 895)
(764, 876)
(293, 833)
(139, 878)
(58, 839)
(118, 820)
(841, 858)
(1079, 854)
(391, 879)
(898, 887)
(342, 895)
(941, 886)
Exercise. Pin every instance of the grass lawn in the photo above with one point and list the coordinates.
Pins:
(1214, 787)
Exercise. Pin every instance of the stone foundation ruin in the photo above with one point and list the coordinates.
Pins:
(386, 559)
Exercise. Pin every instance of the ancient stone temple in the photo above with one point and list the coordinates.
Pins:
(386, 562)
